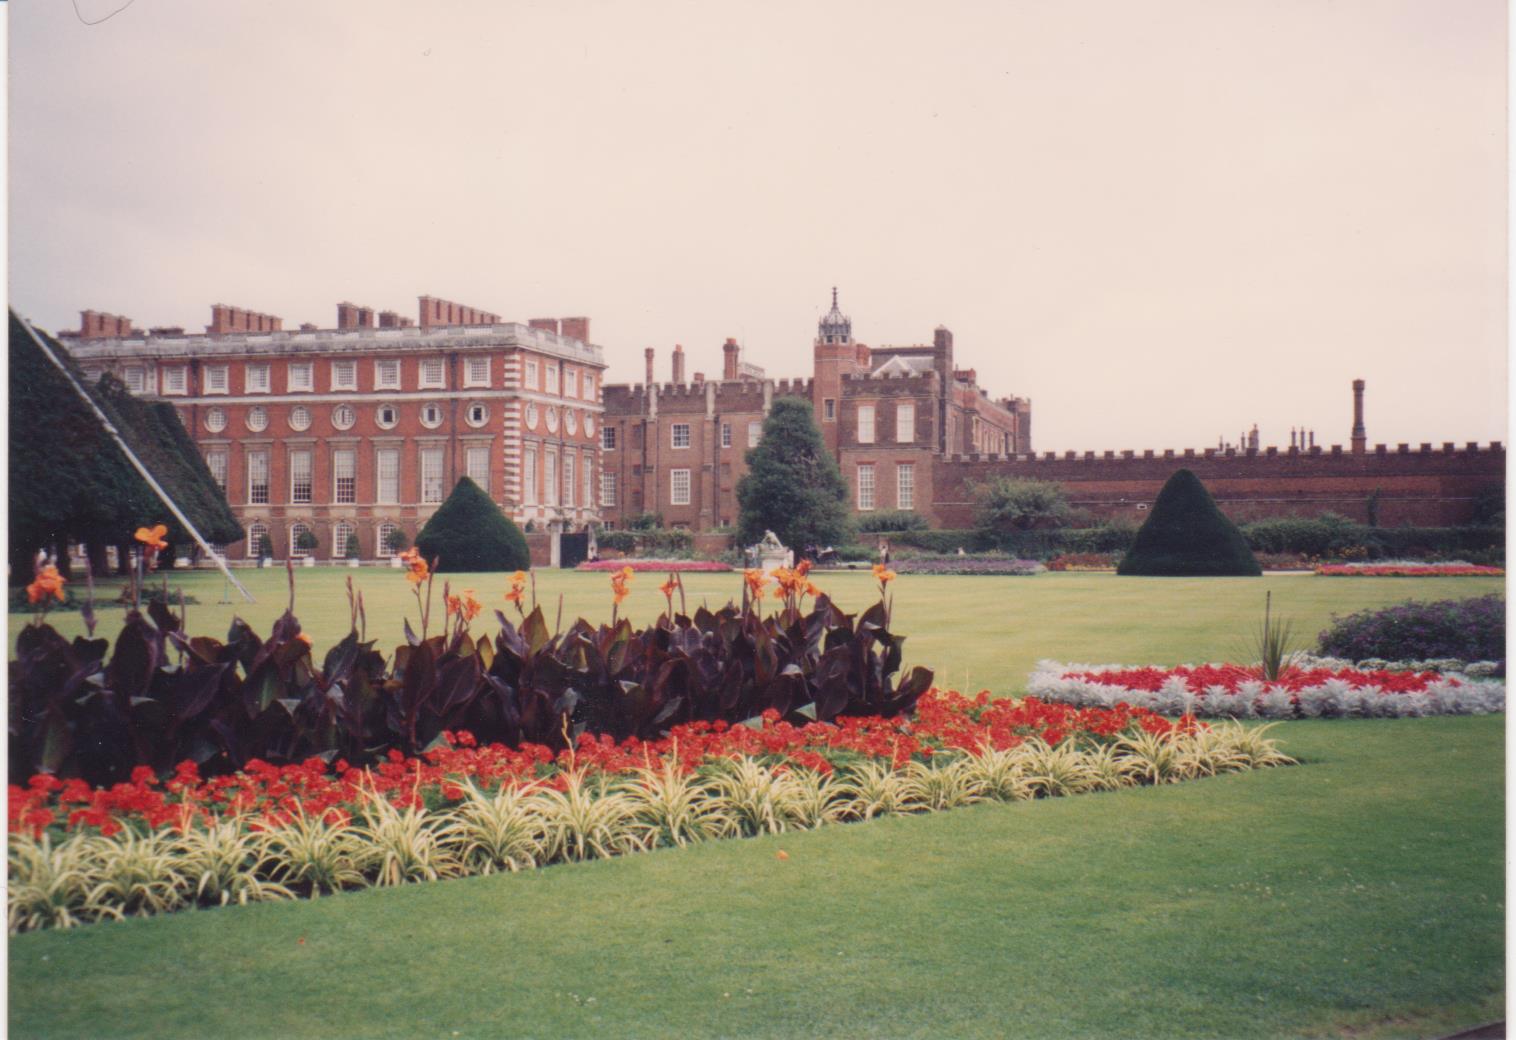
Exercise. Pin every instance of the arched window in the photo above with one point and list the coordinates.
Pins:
(383, 550)
(296, 531)
(340, 535)
(255, 535)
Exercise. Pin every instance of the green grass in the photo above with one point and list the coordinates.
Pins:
(1359, 894)
(976, 632)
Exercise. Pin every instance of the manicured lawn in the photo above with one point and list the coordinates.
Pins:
(1362, 889)
(977, 632)
(1359, 894)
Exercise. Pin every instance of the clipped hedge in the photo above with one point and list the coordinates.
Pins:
(1187, 535)
(1330, 535)
(892, 521)
(468, 532)
(664, 543)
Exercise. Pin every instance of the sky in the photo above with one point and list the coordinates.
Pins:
(1163, 221)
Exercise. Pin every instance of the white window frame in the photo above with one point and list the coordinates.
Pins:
(568, 480)
(754, 432)
(301, 492)
(256, 378)
(829, 409)
(607, 488)
(675, 429)
(255, 533)
(570, 382)
(679, 487)
(529, 376)
(429, 470)
(175, 381)
(587, 385)
(865, 415)
(386, 373)
(529, 475)
(390, 497)
(217, 379)
(382, 549)
(295, 551)
(607, 438)
(726, 435)
(214, 461)
(344, 375)
(550, 476)
(479, 474)
(135, 378)
(431, 373)
(905, 422)
(471, 377)
(300, 378)
(340, 532)
(345, 459)
(256, 456)
(905, 486)
(866, 488)
(553, 385)
(586, 480)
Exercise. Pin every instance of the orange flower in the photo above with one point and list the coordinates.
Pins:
(416, 568)
(48, 583)
(668, 587)
(883, 573)
(518, 588)
(619, 582)
(153, 537)
(303, 638)
(811, 590)
(755, 581)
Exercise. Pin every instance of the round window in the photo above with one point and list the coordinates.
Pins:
(531, 416)
(300, 418)
(215, 420)
(343, 417)
(589, 425)
(431, 416)
(552, 420)
(478, 413)
(387, 416)
(570, 420)
(257, 419)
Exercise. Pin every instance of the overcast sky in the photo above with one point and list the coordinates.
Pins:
(1161, 220)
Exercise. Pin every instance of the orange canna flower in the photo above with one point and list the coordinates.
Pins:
(755, 581)
(883, 573)
(619, 582)
(153, 537)
(668, 587)
(416, 568)
(518, 588)
(48, 583)
(811, 590)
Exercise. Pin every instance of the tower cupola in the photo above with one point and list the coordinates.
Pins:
(835, 327)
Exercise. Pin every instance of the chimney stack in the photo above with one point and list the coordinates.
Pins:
(648, 355)
(731, 353)
(1360, 439)
(678, 365)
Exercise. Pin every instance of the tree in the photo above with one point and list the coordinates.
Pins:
(351, 549)
(396, 541)
(792, 486)
(1187, 535)
(468, 532)
(1007, 504)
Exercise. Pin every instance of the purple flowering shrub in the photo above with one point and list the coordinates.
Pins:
(1466, 629)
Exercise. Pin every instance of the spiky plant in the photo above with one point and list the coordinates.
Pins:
(499, 831)
(678, 808)
(1252, 746)
(936, 786)
(878, 790)
(1205, 752)
(588, 819)
(139, 874)
(322, 857)
(400, 846)
(1152, 758)
(1000, 772)
(224, 862)
(817, 799)
(1273, 642)
(50, 884)
(1109, 770)
(1055, 770)
(759, 800)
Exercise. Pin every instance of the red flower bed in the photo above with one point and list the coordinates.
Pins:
(1408, 570)
(660, 566)
(944, 721)
(1232, 676)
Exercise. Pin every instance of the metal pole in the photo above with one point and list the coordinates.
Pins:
(131, 457)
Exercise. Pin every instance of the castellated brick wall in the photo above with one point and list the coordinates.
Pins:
(1425, 486)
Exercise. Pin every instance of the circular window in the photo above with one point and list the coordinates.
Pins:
(387, 415)
(552, 420)
(215, 420)
(300, 418)
(478, 413)
(570, 420)
(431, 416)
(257, 419)
(531, 416)
(589, 425)
(343, 417)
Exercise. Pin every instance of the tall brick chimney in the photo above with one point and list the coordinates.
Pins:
(648, 356)
(678, 365)
(1360, 439)
(731, 355)
(575, 328)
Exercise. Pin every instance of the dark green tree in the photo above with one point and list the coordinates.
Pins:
(792, 486)
(468, 532)
(1007, 504)
(1187, 535)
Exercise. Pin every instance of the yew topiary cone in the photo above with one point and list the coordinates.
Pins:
(468, 532)
(1186, 535)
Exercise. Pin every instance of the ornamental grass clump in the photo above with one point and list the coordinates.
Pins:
(223, 862)
(51, 883)
(316, 857)
(491, 832)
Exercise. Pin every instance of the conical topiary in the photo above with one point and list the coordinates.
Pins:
(1187, 535)
(468, 532)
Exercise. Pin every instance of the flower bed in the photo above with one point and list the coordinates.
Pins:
(660, 566)
(967, 565)
(80, 853)
(1408, 570)
(1237, 691)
